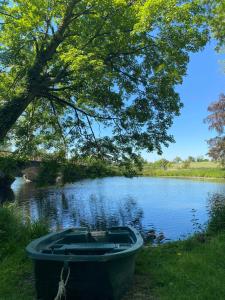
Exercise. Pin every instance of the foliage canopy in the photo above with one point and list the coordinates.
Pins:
(216, 19)
(216, 121)
(71, 68)
(216, 118)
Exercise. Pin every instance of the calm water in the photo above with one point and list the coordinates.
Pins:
(160, 203)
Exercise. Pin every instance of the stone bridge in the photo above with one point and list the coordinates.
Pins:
(29, 170)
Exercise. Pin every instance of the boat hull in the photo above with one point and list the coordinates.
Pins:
(104, 275)
(87, 280)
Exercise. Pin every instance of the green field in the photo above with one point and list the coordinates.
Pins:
(203, 165)
(16, 275)
(196, 169)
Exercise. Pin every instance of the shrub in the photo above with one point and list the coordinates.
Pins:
(186, 164)
(216, 213)
(98, 168)
(91, 169)
(15, 231)
(162, 163)
(73, 172)
(48, 172)
(10, 166)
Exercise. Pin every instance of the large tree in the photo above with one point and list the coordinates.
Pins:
(216, 121)
(71, 68)
(216, 118)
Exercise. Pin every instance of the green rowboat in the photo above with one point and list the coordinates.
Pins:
(83, 265)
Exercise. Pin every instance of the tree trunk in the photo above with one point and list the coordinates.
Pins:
(11, 111)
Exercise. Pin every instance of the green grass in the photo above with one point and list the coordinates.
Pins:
(205, 164)
(197, 169)
(178, 270)
(16, 279)
(185, 270)
(198, 165)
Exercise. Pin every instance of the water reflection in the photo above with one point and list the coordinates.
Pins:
(62, 208)
(162, 204)
(6, 195)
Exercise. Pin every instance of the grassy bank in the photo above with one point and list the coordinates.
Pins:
(16, 279)
(198, 169)
(178, 270)
(189, 269)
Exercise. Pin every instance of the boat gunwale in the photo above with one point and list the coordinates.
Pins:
(34, 254)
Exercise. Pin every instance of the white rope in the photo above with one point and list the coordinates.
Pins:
(62, 285)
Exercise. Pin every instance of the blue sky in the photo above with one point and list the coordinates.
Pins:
(204, 82)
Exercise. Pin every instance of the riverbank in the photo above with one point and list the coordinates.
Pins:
(189, 269)
(52, 171)
(178, 270)
(15, 269)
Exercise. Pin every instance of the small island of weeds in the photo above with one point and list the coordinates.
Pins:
(189, 269)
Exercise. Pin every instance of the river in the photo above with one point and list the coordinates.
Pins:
(168, 205)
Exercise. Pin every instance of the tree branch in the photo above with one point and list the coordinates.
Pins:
(92, 131)
(7, 14)
(66, 103)
(58, 37)
(58, 123)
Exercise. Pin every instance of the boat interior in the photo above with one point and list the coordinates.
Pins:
(85, 242)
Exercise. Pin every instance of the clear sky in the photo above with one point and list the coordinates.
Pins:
(204, 82)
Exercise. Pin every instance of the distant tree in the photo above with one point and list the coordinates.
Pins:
(186, 164)
(191, 159)
(216, 121)
(217, 149)
(177, 160)
(162, 163)
(201, 158)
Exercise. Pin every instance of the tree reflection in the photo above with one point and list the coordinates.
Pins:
(131, 214)
(6, 195)
(125, 212)
(62, 208)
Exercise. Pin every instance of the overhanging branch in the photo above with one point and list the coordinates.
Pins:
(7, 14)
(67, 103)
(59, 125)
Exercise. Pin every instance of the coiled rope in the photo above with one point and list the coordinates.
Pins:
(62, 284)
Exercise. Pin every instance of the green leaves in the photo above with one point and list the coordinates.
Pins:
(91, 65)
(216, 121)
(216, 19)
